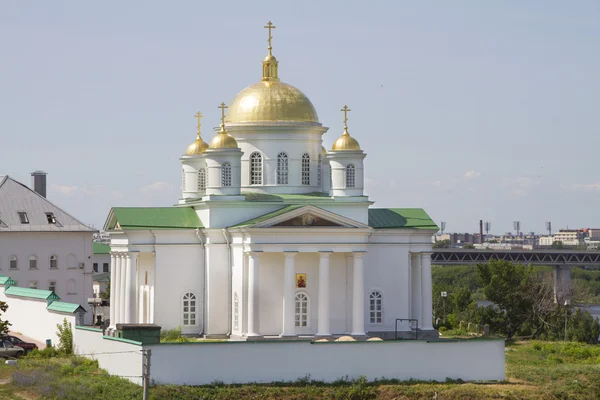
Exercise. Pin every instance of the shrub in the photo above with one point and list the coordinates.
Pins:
(65, 337)
(174, 335)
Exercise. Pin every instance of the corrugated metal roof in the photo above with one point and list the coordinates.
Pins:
(396, 218)
(101, 277)
(6, 280)
(101, 248)
(154, 218)
(62, 306)
(16, 197)
(33, 293)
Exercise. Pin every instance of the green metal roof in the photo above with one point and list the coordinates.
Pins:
(65, 307)
(101, 277)
(101, 248)
(265, 217)
(396, 218)
(157, 218)
(32, 293)
(6, 280)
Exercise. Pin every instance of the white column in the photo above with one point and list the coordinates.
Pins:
(142, 309)
(323, 317)
(113, 284)
(289, 287)
(253, 264)
(426, 304)
(151, 304)
(132, 260)
(122, 291)
(128, 299)
(117, 291)
(358, 305)
(415, 287)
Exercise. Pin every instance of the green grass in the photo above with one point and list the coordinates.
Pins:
(535, 370)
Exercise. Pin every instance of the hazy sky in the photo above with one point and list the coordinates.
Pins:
(469, 109)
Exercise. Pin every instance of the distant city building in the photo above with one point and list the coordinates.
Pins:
(570, 237)
(546, 240)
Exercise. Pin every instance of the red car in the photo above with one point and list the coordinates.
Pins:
(20, 343)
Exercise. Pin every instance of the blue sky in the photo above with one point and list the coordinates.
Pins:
(469, 109)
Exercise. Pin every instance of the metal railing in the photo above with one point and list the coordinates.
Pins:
(411, 320)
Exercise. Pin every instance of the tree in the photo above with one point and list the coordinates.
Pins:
(4, 325)
(558, 245)
(442, 244)
(105, 295)
(65, 337)
(469, 246)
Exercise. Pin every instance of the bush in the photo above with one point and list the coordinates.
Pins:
(65, 337)
(48, 352)
(174, 335)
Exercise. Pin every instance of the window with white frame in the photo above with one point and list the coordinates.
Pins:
(226, 174)
(350, 176)
(305, 169)
(319, 170)
(53, 261)
(282, 168)
(23, 217)
(202, 179)
(256, 168)
(32, 262)
(375, 307)
(301, 310)
(52, 286)
(189, 309)
(236, 312)
(13, 262)
(95, 267)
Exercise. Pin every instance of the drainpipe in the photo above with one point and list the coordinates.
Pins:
(204, 280)
(229, 281)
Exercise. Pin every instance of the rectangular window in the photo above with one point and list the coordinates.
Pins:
(52, 286)
(32, 263)
(51, 218)
(23, 217)
(105, 267)
(13, 262)
(95, 267)
(33, 285)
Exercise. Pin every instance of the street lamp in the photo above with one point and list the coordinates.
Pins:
(567, 304)
(444, 295)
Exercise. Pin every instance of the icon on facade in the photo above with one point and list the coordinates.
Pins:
(300, 280)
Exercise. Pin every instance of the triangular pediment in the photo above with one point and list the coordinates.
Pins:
(304, 216)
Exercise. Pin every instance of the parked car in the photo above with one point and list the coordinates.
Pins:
(8, 350)
(20, 343)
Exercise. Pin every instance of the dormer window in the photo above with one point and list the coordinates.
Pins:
(23, 217)
(51, 218)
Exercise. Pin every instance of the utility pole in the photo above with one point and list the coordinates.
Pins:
(147, 355)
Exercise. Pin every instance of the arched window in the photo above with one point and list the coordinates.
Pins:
(236, 312)
(350, 176)
(301, 310)
(282, 169)
(305, 169)
(320, 167)
(183, 180)
(32, 262)
(202, 179)
(375, 307)
(226, 174)
(189, 309)
(53, 261)
(255, 168)
(13, 262)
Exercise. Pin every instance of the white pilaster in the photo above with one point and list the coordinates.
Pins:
(122, 290)
(116, 291)
(253, 264)
(358, 305)
(151, 304)
(323, 317)
(415, 287)
(289, 287)
(426, 304)
(132, 261)
(128, 284)
(113, 269)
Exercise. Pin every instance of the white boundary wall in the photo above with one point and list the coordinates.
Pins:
(119, 357)
(246, 362)
(31, 318)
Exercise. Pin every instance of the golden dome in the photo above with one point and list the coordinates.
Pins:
(345, 143)
(323, 151)
(196, 148)
(223, 140)
(270, 101)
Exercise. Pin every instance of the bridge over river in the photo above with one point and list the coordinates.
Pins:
(561, 260)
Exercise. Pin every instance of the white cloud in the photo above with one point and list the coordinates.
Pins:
(65, 190)
(519, 186)
(472, 174)
(156, 187)
(588, 187)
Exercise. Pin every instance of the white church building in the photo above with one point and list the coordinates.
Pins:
(273, 235)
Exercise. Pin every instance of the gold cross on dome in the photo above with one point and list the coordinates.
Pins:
(270, 26)
(198, 115)
(345, 109)
(222, 107)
